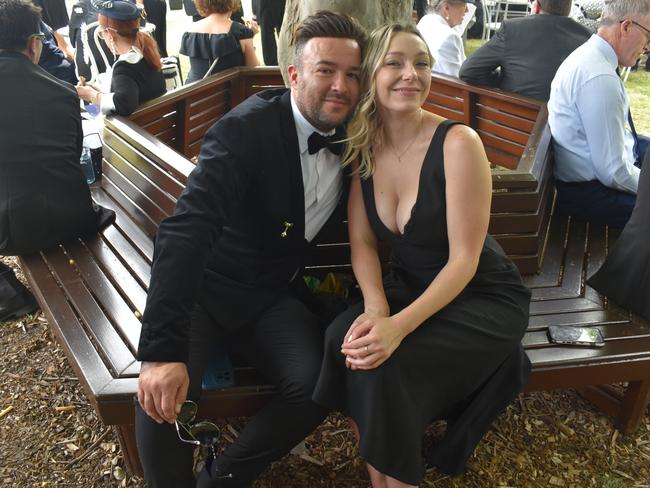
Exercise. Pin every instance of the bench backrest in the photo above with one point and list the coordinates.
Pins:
(148, 156)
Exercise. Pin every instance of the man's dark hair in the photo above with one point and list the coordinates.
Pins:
(327, 24)
(555, 7)
(19, 19)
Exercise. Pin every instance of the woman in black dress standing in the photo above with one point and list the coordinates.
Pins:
(217, 39)
(136, 75)
(430, 337)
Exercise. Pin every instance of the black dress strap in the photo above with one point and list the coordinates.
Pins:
(430, 172)
(438, 142)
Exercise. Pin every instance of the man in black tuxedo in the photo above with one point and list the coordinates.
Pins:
(525, 53)
(229, 261)
(44, 198)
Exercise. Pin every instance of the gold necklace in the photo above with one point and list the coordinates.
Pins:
(408, 146)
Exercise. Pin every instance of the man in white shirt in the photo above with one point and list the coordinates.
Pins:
(595, 151)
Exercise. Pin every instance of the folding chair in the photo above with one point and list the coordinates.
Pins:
(496, 11)
(97, 58)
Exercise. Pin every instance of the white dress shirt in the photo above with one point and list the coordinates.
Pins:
(321, 177)
(587, 114)
(445, 44)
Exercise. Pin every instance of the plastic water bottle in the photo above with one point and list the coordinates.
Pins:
(87, 165)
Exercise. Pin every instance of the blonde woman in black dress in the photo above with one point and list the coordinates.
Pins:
(433, 337)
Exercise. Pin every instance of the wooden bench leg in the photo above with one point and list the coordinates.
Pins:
(628, 410)
(126, 436)
(634, 406)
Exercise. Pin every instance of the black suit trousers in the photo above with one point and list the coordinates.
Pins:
(286, 345)
(270, 20)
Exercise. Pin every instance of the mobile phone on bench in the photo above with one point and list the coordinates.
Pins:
(575, 336)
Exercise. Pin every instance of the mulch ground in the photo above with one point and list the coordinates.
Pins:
(50, 436)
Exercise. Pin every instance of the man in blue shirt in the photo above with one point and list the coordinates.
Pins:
(597, 157)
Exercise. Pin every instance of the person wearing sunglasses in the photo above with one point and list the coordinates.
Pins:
(229, 263)
(597, 150)
(44, 198)
(136, 75)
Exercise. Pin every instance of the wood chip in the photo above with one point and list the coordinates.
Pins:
(6, 411)
(65, 408)
(565, 429)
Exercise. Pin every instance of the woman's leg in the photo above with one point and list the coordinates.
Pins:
(380, 480)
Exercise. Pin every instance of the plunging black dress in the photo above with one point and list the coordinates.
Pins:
(449, 358)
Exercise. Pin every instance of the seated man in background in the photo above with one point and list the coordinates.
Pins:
(595, 154)
(525, 53)
(44, 198)
(53, 60)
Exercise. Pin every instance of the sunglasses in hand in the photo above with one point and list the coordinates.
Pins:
(204, 434)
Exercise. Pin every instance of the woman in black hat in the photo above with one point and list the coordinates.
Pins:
(136, 75)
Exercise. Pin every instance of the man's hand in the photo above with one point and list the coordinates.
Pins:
(162, 388)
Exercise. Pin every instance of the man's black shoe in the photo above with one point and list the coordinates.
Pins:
(17, 306)
(15, 299)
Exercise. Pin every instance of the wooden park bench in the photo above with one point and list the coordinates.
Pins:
(93, 290)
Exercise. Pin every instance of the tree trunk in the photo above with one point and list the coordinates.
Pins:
(371, 14)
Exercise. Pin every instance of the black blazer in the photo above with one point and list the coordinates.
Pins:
(223, 246)
(528, 50)
(44, 198)
(625, 275)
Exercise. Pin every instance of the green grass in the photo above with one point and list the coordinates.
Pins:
(637, 85)
(638, 89)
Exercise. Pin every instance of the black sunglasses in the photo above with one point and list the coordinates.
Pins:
(204, 434)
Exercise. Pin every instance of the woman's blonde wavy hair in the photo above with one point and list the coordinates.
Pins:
(364, 129)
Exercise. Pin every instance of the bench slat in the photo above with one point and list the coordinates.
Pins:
(490, 127)
(140, 203)
(84, 286)
(78, 348)
(591, 317)
(133, 290)
(136, 163)
(618, 350)
(509, 120)
(549, 275)
(134, 234)
(114, 244)
(114, 164)
(565, 305)
(573, 267)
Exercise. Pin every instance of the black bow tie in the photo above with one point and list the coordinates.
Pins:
(316, 142)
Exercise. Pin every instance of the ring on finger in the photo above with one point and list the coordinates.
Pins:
(366, 348)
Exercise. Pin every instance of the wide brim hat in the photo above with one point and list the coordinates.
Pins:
(117, 9)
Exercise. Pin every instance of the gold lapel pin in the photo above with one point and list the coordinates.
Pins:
(287, 226)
